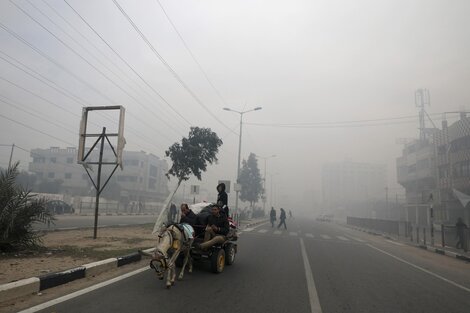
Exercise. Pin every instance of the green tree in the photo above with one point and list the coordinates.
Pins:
(189, 157)
(18, 212)
(192, 155)
(250, 179)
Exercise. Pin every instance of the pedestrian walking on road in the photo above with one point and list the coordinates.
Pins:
(282, 217)
(460, 227)
(272, 216)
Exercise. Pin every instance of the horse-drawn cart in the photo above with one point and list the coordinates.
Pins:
(218, 255)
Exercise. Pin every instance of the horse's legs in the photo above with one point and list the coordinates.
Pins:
(187, 256)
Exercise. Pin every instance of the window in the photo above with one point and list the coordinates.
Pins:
(131, 162)
(51, 175)
(39, 159)
(68, 175)
(152, 183)
(53, 160)
(131, 179)
(153, 171)
(69, 160)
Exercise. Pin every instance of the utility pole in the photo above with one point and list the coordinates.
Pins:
(11, 155)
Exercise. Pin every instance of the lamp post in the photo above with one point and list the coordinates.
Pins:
(240, 147)
(264, 177)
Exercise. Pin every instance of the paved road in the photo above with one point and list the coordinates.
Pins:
(352, 272)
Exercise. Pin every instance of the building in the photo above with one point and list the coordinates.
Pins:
(437, 166)
(416, 172)
(142, 178)
(351, 184)
(453, 168)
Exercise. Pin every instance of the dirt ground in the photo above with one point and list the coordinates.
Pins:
(70, 248)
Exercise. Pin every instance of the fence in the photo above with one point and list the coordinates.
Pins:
(438, 235)
(397, 228)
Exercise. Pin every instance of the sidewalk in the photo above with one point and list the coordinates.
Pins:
(448, 251)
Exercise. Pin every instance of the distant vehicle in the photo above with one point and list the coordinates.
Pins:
(325, 218)
(59, 207)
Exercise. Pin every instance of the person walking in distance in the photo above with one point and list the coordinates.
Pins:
(460, 226)
(282, 217)
(272, 216)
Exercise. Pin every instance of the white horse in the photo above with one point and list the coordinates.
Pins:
(172, 241)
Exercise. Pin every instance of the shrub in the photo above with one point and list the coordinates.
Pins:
(19, 210)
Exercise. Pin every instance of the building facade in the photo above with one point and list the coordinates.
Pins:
(142, 178)
(437, 166)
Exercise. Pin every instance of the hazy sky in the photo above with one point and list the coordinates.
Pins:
(302, 61)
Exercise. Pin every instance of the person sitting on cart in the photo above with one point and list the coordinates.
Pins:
(187, 215)
(222, 198)
(216, 230)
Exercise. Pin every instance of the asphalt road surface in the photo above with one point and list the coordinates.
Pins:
(311, 267)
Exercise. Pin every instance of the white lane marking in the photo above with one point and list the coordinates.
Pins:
(78, 293)
(357, 239)
(395, 243)
(309, 235)
(421, 269)
(325, 236)
(262, 231)
(342, 238)
(312, 290)
(293, 233)
(277, 232)
(248, 229)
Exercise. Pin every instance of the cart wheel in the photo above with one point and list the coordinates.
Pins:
(218, 261)
(230, 254)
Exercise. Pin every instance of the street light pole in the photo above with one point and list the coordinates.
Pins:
(264, 178)
(240, 147)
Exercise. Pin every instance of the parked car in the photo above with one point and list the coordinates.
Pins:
(59, 207)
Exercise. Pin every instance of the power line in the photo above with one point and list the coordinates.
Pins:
(172, 71)
(95, 47)
(44, 55)
(84, 48)
(91, 65)
(345, 124)
(127, 64)
(192, 54)
(62, 91)
(35, 129)
(37, 116)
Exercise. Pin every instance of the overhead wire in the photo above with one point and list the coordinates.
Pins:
(127, 63)
(192, 54)
(106, 57)
(35, 129)
(92, 65)
(62, 91)
(167, 65)
(87, 50)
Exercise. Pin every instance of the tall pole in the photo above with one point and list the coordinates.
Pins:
(239, 155)
(98, 184)
(264, 186)
(11, 155)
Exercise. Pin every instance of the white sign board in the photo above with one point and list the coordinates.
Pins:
(194, 189)
(237, 187)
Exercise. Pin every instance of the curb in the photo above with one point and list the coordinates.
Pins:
(424, 247)
(256, 223)
(33, 285)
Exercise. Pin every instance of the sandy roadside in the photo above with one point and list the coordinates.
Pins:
(70, 248)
